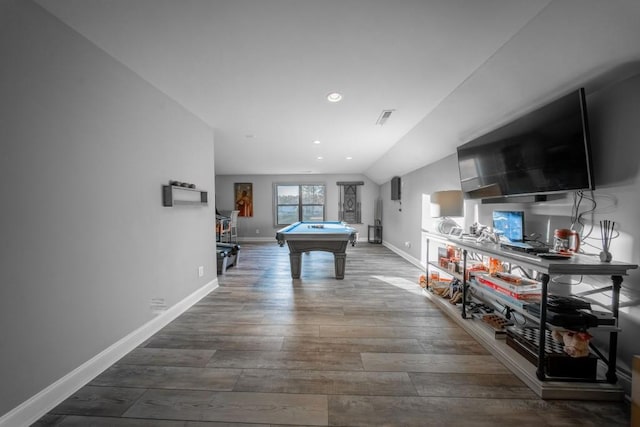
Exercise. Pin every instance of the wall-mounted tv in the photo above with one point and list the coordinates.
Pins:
(545, 151)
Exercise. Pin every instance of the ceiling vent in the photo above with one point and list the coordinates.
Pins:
(384, 116)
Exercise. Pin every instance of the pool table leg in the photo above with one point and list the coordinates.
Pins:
(340, 260)
(295, 259)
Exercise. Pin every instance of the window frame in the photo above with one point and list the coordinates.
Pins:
(300, 204)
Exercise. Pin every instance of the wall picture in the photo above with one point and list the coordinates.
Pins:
(244, 198)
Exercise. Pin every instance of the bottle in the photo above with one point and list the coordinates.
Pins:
(495, 266)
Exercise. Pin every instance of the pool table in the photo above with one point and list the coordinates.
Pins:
(328, 236)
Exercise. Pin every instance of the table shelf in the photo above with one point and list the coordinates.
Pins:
(579, 265)
(522, 368)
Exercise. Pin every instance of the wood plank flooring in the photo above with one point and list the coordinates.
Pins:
(266, 350)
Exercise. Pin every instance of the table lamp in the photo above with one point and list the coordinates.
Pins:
(445, 204)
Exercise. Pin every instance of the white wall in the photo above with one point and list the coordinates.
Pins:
(615, 129)
(263, 219)
(402, 220)
(86, 244)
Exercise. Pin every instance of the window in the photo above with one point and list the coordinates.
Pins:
(299, 202)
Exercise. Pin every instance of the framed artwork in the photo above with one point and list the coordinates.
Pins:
(244, 198)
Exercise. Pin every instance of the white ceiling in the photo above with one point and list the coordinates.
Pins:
(258, 71)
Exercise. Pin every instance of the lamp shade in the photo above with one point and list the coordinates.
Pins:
(447, 203)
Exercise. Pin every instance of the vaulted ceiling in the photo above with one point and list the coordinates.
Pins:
(259, 71)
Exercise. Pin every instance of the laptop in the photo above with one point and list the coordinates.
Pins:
(510, 227)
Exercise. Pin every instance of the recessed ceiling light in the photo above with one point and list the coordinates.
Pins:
(319, 157)
(334, 97)
(349, 158)
(316, 142)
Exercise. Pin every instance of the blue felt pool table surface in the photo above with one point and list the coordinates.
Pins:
(330, 230)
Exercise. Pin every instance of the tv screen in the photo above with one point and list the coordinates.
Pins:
(545, 151)
(509, 224)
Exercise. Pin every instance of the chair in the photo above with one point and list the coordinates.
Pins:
(233, 227)
(223, 228)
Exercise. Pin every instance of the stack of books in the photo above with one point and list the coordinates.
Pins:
(510, 288)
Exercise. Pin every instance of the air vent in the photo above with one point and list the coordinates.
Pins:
(384, 116)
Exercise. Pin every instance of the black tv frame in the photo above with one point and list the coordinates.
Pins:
(517, 159)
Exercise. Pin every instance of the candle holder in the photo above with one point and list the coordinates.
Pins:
(606, 231)
(605, 256)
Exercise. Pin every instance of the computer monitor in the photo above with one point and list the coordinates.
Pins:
(509, 224)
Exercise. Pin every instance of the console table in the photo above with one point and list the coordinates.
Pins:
(544, 386)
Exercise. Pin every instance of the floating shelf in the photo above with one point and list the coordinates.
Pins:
(173, 195)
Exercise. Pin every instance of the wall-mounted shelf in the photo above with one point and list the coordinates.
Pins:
(173, 195)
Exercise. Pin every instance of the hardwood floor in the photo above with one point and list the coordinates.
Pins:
(368, 350)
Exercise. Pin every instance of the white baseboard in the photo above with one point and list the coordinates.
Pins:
(37, 406)
(403, 254)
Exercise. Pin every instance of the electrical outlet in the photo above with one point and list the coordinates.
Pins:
(257, 231)
(201, 271)
(157, 305)
(407, 244)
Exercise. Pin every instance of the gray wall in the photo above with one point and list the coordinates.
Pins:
(615, 130)
(263, 219)
(85, 147)
(402, 220)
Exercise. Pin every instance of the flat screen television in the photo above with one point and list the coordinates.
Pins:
(543, 152)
